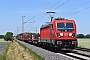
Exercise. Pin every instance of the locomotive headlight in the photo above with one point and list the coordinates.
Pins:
(61, 34)
(71, 34)
(58, 35)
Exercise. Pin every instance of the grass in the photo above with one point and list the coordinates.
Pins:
(36, 57)
(84, 43)
(2, 40)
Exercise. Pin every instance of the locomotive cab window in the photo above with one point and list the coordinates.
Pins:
(60, 25)
(65, 27)
(69, 25)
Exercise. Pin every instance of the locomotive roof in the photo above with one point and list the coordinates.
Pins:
(46, 25)
(61, 21)
(56, 20)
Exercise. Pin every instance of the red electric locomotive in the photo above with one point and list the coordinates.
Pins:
(60, 34)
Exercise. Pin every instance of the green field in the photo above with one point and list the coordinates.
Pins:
(85, 43)
(2, 40)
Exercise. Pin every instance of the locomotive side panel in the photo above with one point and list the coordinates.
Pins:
(45, 34)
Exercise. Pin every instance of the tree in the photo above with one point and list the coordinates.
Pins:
(87, 36)
(8, 36)
(80, 36)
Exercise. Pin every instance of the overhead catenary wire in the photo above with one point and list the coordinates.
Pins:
(44, 13)
(30, 19)
(78, 11)
(61, 5)
(48, 9)
(56, 7)
(52, 6)
(55, 4)
(76, 7)
(19, 29)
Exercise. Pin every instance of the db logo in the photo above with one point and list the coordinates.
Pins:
(65, 34)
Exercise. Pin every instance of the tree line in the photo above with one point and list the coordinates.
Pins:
(83, 36)
(9, 36)
(1, 36)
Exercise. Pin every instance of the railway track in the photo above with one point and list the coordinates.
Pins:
(75, 55)
(83, 49)
(79, 53)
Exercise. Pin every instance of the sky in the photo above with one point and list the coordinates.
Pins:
(11, 12)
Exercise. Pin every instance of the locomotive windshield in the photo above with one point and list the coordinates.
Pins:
(65, 27)
(60, 25)
(69, 25)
